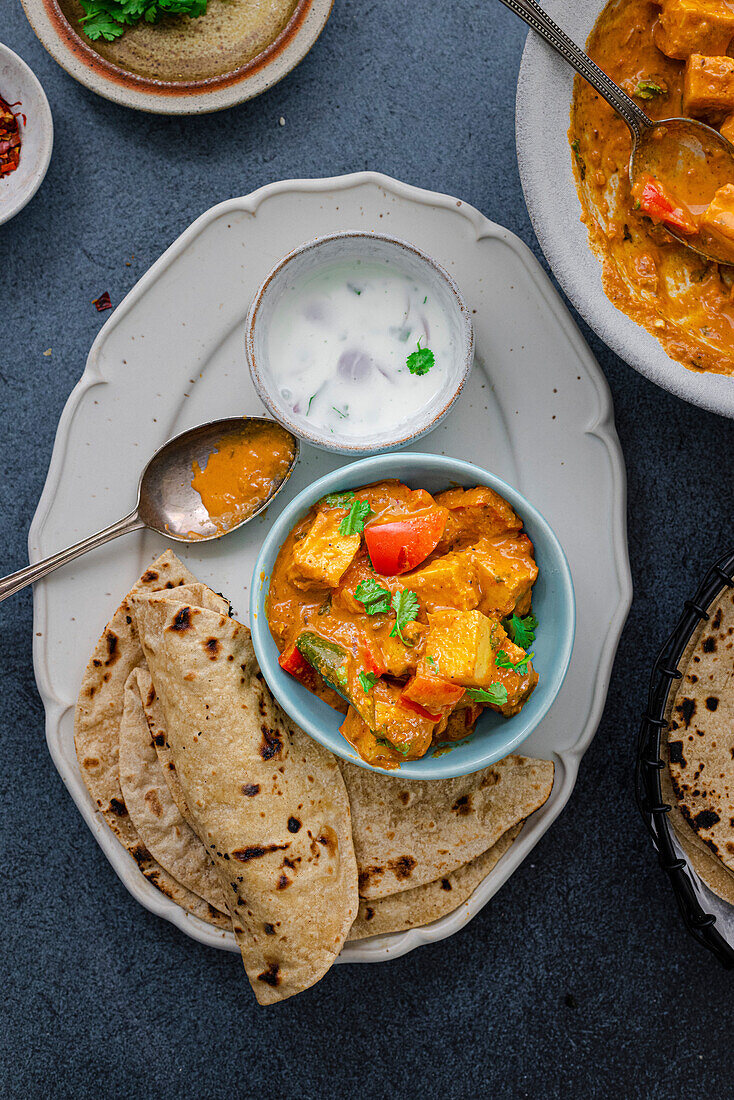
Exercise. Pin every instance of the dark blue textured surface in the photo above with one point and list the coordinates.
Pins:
(577, 980)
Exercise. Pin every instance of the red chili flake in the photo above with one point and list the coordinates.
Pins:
(103, 302)
(9, 140)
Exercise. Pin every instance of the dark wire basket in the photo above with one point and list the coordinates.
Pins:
(654, 810)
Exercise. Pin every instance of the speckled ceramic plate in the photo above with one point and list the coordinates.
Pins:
(543, 116)
(536, 411)
(182, 66)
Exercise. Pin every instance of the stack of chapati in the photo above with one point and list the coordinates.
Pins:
(246, 822)
(699, 782)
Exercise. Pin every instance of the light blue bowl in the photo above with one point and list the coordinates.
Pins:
(553, 604)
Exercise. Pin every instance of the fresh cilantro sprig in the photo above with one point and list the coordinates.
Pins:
(520, 667)
(420, 361)
(375, 598)
(353, 522)
(368, 681)
(521, 630)
(109, 19)
(648, 89)
(405, 605)
(496, 694)
(340, 500)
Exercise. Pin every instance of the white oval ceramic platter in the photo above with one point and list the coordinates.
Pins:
(543, 109)
(536, 411)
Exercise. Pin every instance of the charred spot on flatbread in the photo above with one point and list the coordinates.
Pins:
(181, 620)
(256, 851)
(706, 819)
(402, 867)
(686, 708)
(712, 702)
(271, 743)
(463, 805)
(149, 576)
(212, 647)
(293, 824)
(113, 650)
(250, 789)
(271, 976)
(675, 750)
(118, 807)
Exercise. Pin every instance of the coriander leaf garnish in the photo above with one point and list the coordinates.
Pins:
(522, 631)
(340, 500)
(405, 605)
(353, 524)
(420, 361)
(375, 598)
(308, 409)
(520, 667)
(648, 89)
(576, 146)
(388, 744)
(368, 681)
(109, 18)
(343, 415)
(432, 663)
(496, 694)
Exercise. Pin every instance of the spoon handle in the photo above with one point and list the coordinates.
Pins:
(540, 21)
(15, 581)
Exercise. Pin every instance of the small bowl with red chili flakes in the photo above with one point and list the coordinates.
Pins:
(26, 134)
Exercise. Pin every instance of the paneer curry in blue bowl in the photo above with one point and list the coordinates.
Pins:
(414, 614)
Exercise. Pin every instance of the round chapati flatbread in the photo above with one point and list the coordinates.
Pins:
(424, 904)
(97, 722)
(160, 826)
(267, 800)
(411, 831)
(701, 734)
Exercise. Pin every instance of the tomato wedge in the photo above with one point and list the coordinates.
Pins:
(402, 544)
(658, 204)
(431, 692)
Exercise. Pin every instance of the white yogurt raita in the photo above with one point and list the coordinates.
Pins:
(338, 346)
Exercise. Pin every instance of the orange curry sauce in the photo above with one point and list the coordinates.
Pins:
(239, 476)
(685, 301)
(482, 565)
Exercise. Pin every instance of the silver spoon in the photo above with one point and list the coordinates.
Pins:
(695, 141)
(167, 501)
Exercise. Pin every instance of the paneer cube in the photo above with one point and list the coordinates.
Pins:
(459, 646)
(323, 556)
(506, 572)
(447, 581)
(474, 514)
(685, 27)
(727, 128)
(718, 219)
(708, 85)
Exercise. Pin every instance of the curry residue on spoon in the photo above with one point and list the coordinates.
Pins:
(684, 300)
(240, 475)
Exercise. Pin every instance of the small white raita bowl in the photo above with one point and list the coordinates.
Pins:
(20, 88)
(362, 246)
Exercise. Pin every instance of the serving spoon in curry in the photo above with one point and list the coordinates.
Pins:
(691, 146)
(169, 503)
